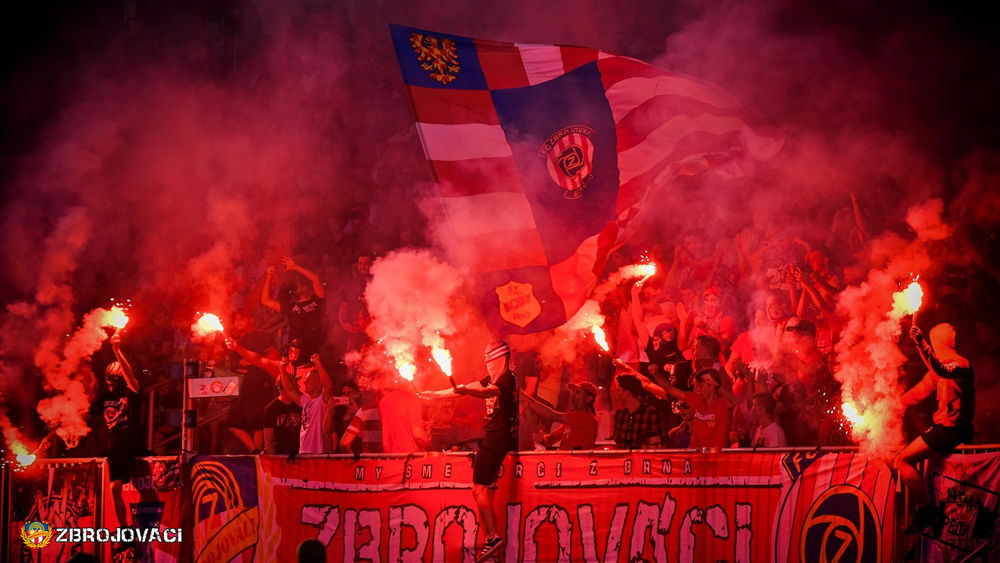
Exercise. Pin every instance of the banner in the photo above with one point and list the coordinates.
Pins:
(226, 512)
(967, 486)
(59, 494)
(153, 498)
(590, 507)
(544, 156)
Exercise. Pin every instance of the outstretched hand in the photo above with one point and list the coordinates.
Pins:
(289, 263)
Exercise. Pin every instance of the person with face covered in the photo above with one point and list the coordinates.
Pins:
(119, 406)
(661, 347)
(950, 376)
(500, 428)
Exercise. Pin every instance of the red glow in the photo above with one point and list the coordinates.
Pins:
(206, 325)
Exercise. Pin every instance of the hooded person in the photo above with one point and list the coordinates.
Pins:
(950, 376)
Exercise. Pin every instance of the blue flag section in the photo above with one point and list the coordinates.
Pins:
(544, 155)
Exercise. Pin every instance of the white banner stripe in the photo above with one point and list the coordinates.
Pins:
(463, 142)
(541, 62)
(628, 94)
(489, 213)
(662, 141)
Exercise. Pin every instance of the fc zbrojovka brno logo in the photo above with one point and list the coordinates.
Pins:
(36, 534)
(569, 157)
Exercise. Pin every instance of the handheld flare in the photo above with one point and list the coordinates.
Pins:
(206, 325)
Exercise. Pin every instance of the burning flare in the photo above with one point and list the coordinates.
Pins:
(644, 271)
(908, 301)
(25, 459)
(443, 359)
(206, 325)
(406, 370)
(115, 317)
(851, 413)
(600, 336)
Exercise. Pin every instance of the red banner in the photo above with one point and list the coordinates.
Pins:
(61, 494)
(576, 507)
(153, 499)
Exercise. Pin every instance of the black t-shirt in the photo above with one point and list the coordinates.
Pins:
(285, 419)
(305, 321)
(120, 413)
(500, 424)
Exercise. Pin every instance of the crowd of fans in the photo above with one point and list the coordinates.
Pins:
(731, 344)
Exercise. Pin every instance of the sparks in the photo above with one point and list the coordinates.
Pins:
(206, 325)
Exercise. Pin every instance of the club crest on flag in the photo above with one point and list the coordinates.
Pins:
(439, 56)
(569, 155)
(518, 304)
(842, 522)
(36, 534)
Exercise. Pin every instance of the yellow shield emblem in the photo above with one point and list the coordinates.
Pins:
(518, 304)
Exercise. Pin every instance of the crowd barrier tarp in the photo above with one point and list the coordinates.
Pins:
(604, 506)
(967, 487)
(63, 494)
(154, 498)
(224, 497)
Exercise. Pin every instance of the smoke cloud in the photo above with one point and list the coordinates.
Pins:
(173, 159)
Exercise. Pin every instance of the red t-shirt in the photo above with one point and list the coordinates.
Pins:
(580, 431)
(710, 425)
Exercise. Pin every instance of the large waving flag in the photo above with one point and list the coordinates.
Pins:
(543, 156)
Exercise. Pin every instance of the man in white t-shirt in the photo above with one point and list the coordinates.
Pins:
(768, 433)
(312, 393)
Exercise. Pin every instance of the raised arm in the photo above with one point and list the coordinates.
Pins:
(324, 377)
(318, 288)
(544, 410)
(127, 372)
(266, 364)
(290, 388)
(635, 311)
(265, 292)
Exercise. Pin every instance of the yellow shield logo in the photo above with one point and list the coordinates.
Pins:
(518, 304)
(36, 534)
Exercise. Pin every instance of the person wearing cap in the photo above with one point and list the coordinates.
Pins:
(712, 404)
(577, 428)
(951, 377)
(500, 427)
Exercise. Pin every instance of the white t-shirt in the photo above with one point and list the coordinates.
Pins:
(312, 440)
(770, 436)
